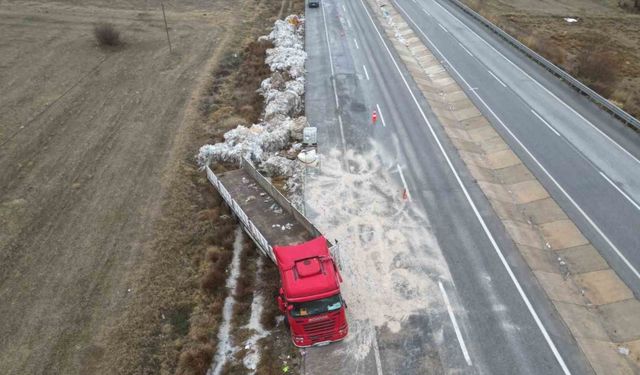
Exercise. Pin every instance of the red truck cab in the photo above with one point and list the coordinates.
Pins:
(310, 294)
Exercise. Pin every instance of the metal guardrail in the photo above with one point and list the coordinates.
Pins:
(596, 98)
(248, 225)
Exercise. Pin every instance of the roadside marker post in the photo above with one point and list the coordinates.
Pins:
(374, 118)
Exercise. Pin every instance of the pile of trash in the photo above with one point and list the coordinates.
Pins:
(265, 143)
(283, 97)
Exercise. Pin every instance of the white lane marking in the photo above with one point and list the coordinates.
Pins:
(344, 9)
(466, 50)
(348, 23)
(486, 230)
(620, 190)
(366, 74)
(381, 116)
(452, 316)
(546, 172)
(545, 122)
(424, 10)
(335, 90)
(404, 182)
(376, 353)
(442, 27)
(543, 87)
(356, 42)
(496, 78)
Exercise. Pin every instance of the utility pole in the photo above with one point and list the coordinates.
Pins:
(166, 28)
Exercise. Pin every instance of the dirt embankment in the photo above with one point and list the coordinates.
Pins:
(107, 227)
(600, 48)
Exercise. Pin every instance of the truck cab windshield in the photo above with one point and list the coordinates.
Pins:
(317, 307)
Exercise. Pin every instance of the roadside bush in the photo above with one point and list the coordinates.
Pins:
(107, 35)
(547, 48)
(195, 360)
(599, 70)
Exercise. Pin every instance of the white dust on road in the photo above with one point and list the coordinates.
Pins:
(389, 255)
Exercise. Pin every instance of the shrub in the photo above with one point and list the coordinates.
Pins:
(107, 35)
(195, 360)
(598, 70)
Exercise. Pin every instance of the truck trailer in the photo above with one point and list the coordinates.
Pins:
(309, 295)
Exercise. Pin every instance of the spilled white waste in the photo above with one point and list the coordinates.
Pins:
(389, 255)
(283, 99)
(225, 346)
(252, 357)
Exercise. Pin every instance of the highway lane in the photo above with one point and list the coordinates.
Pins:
(500, 333)
(586, 159)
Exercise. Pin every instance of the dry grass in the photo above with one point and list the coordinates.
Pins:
(195, 360)
(598, 70)
(547, 48)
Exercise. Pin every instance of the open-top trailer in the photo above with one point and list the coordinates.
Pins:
(309, 295)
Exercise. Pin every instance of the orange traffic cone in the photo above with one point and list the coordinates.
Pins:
(405, 195)
(374, 117)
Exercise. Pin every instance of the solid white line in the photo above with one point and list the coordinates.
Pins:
(466, 50)
(555, 182)
(486, 230)
(335, 90)
(543, 87)
(445, 30)
(545, 122)
(356, 42)
(591, 222)
(366, 74)
(424, 10)
(497, 79)
(381, 116)
(376, 353)
(620, 190)
(452, 316)
(404, 182)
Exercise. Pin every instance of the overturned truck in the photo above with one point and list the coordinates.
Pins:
(309, 295)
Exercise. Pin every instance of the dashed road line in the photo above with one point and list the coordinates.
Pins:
(381, 116)
(465, 49)
(496, 78)
(443, 28)
(545, 122)
(620, 190)
(366, 74)
(376, 353)
(404, 182)
(356, 42)
(454, 321)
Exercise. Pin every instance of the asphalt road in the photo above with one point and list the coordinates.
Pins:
(587, 160)
(506, 324)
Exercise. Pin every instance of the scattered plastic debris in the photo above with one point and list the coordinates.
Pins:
(623, 350)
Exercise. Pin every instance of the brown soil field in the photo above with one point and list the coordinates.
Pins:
(105, 221)
(601, 49)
